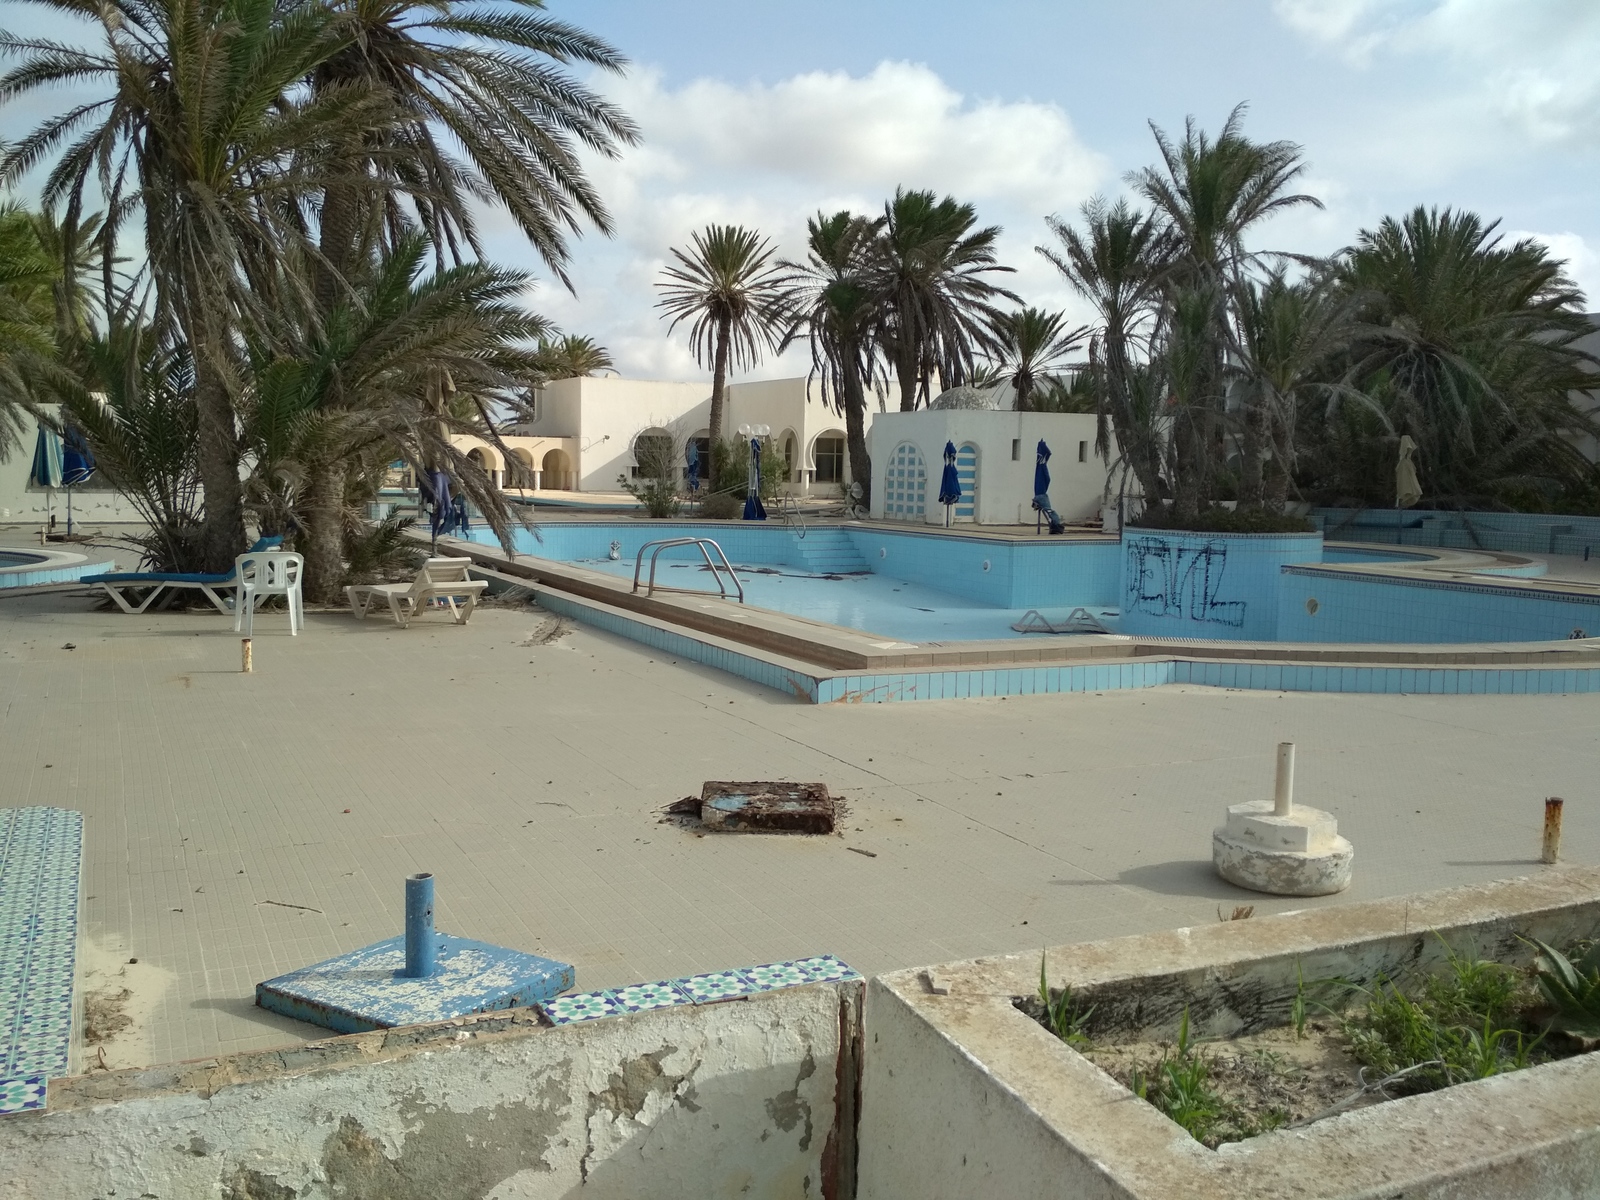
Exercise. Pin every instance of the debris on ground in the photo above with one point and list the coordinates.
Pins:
(761, 806)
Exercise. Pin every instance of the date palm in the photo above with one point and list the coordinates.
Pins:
(572, 357)
(1115, 262)
(836, 311)
(736, 299)
(479, 110)
(1469, 345)
(930, 271)
(1209, 194)
(1033, 346)
(202, 128)
(365, 391)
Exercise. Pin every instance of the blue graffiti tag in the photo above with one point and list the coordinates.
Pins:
(1168, 579)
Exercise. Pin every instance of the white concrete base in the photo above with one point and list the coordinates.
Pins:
(1300, 854)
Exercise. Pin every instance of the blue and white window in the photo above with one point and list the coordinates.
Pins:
(967, 472)
(906, 496)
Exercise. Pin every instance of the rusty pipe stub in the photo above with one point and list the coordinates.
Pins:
(1551, 850)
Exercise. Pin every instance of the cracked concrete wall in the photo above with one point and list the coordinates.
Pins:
(737, 1099)
(964, 1095)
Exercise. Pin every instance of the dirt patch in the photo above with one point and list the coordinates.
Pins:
(1272, 1077)
(120, 995)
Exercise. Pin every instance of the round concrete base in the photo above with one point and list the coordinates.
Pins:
(1283, 872)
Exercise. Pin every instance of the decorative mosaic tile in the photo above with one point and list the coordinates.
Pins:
(19, 1095)
(824, 968)
(770, 976)
(716, 985)
(643, 996)
(40, 854)
(585, 1006)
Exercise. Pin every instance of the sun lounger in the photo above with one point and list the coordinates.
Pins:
(161, 582)
(440, 579)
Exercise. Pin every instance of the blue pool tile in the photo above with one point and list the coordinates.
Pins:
(716, 986)
(583, 1006)
(641, 997)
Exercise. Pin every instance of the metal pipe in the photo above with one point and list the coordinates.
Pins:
(421, 943)
(1552, 830)
(246, 659)
(1283, 786)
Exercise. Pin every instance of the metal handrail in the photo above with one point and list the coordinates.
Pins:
(667, 543)
(792, 516)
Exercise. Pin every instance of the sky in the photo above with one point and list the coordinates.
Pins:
(763, 114)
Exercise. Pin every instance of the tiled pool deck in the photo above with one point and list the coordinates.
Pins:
(239, 826)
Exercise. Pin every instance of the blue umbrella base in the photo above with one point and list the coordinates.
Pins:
(368, 989)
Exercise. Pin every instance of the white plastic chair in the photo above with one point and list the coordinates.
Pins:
(272, 573)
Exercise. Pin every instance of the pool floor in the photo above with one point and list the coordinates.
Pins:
(893, 608)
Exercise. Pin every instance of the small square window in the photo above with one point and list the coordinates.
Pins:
(1083, 451)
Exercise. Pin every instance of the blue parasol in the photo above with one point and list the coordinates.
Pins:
(949, 482)
(46, 472)
(753, 508)
(77, 466)
(436, 487)
(692, 452)
(1041, 488)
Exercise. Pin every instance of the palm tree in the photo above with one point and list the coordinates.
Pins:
(936, 305)
(1115, 263)
(1208, 194)
(1033, 347)
(837, 313)
(737, 300)
(204, 129)
(1291, 337)
(485, 80)
(1467, 345)
(27, 275)
(572, 357)
(368, 390)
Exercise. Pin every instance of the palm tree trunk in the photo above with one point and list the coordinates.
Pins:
(222, 531)
(719, 381)
(1251, 449)
(855, 428)
(324, 549)
(906, 368)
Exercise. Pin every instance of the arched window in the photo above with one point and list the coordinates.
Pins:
(905, 495)
(967, 472)
(827, 453)
(654, 455)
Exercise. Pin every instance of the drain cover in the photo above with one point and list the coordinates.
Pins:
(766, 806)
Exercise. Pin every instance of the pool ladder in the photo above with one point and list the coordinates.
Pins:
(792, 516)
(652, 587)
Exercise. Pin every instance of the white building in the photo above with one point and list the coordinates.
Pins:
(24, 505)
(995, 459)
(585, 430)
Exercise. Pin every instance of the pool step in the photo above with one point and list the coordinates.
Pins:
(828, 551)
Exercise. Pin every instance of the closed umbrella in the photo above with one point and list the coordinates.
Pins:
(692, 453)
(437, 485)
(1407, 491)
(754, 510)
(950, 482)
(46, 472)
(1041, 487)
(77, 466)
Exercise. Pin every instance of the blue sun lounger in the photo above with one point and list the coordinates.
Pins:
(160, 582)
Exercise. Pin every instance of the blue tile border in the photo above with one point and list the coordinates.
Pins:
(710, 987)
(40, 858)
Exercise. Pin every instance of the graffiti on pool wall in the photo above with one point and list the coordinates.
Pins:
(1178, 579)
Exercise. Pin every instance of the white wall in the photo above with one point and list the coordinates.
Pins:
(605, 414)
(721, 1100)
(1005, 483)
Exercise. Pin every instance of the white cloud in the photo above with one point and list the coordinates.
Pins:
(1526, 63)
(771, 155)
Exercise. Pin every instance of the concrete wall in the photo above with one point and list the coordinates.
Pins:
(1006, 442)
(1201, 585)
(605, 414)
(963, 1095)
(750, 1098)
